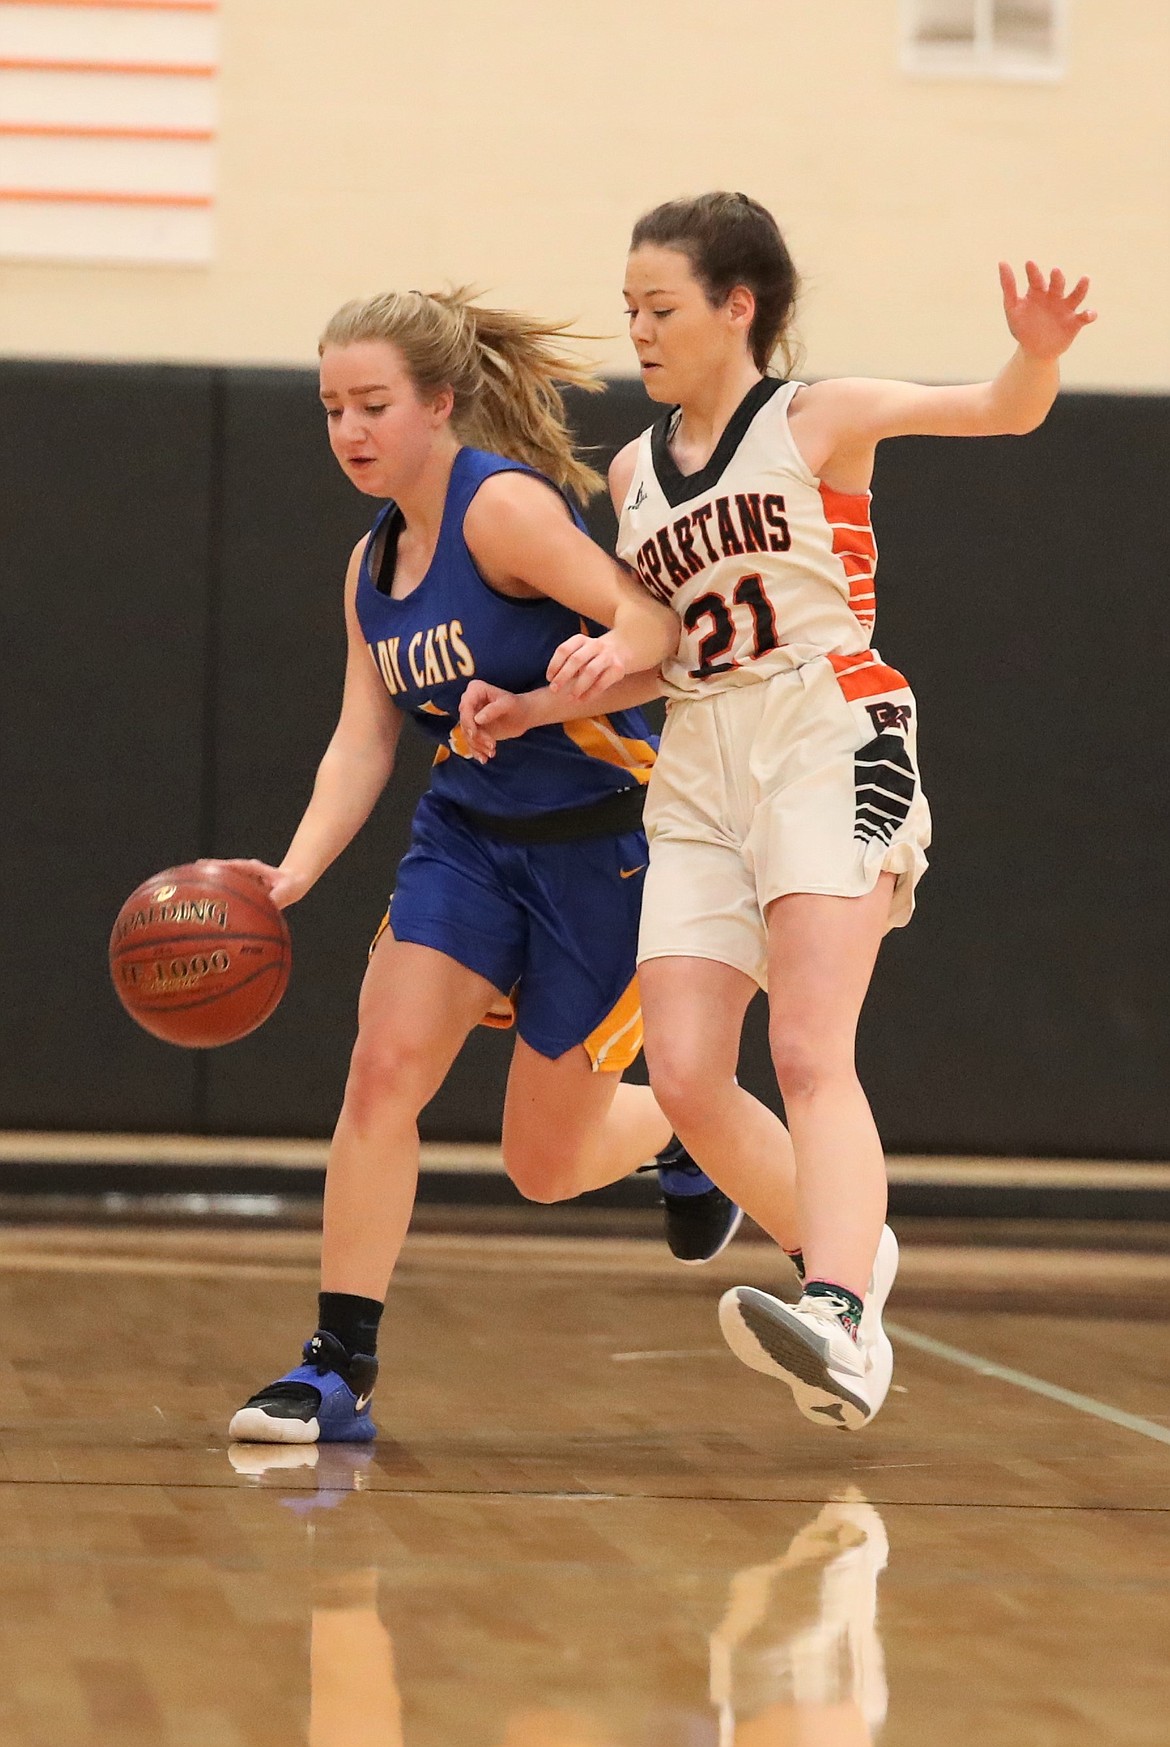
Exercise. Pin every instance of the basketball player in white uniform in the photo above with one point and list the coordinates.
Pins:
(787, 824)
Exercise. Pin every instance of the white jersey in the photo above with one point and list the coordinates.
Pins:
(766, 567)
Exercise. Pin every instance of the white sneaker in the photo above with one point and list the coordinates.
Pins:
(834, 1379)
(871, 1335)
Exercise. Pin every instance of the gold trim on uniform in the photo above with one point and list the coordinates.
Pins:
(598, 738)
(614, 1045)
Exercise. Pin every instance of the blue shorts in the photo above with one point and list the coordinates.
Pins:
(553, 926)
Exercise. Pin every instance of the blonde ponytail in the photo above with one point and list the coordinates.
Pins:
(504, 369)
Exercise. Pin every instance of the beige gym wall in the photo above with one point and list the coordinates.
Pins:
(379, 144)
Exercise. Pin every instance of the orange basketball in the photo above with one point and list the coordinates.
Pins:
(200, 955)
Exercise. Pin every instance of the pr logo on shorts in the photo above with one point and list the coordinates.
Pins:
(885, 716)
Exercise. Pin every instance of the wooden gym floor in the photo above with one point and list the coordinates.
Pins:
(585, 1525)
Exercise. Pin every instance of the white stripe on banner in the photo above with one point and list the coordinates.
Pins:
(107, 132)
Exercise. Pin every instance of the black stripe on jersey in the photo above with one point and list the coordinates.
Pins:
(886, 781)
(680, 487)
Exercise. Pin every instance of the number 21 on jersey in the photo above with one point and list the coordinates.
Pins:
(748, 592)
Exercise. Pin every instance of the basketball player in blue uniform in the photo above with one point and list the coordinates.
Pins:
(521, 890)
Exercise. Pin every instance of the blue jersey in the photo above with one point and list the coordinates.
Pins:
(455, 626)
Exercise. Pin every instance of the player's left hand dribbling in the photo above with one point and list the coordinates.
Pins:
(588, 666)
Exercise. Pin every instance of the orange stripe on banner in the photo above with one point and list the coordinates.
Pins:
(70, 131)
(35, 64)
(127, 5)
(92, 197)
(864, 676)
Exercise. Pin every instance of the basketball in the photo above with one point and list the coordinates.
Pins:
(200, 955)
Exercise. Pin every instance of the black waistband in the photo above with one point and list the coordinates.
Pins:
(611, 817)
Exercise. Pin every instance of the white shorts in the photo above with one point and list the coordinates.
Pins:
(806, 782)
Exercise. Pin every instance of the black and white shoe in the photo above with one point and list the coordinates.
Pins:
(326, 1400)
(700, 1219)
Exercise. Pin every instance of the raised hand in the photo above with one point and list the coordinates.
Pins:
(1046, 319)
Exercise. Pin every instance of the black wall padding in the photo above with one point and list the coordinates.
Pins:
(174, 542)
(105, 557)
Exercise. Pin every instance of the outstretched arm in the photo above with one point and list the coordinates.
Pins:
(488, 713)
(577, 656)
(839, 423)
(520, 535)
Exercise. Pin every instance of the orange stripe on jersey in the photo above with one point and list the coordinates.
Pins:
(614, 1046)
(847, 514)
(597, 736)
(864, 676)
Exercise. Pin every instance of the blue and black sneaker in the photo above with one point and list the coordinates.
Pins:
(700, 1219)
(325, 1400)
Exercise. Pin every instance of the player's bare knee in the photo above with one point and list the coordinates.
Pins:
(387, 1071)
(682, 1089)
(541, 1173)
(802, 1067)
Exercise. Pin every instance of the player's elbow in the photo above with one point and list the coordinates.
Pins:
(1016, 418)
(1022, 423)
(663, 627)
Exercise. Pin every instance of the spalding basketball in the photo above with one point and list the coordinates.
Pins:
(200, 955)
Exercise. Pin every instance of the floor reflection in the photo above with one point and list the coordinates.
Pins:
(795, 1659)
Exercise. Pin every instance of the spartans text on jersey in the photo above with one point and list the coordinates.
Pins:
(724, 527)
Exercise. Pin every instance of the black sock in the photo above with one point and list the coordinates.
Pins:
(351, 1320)
(796, 1257)
(848, 1307)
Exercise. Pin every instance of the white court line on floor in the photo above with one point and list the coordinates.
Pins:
(672, 1353)
(1131, 1422)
